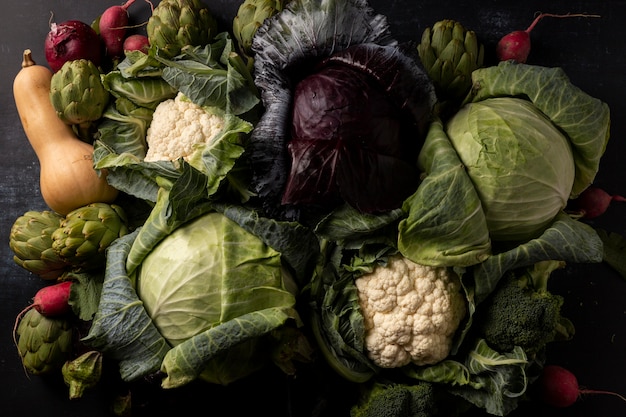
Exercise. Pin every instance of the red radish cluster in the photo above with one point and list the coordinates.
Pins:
(113, 25)
(594, 201)
(50, 301)
(559, 387)
(74, 39)
(516, 45)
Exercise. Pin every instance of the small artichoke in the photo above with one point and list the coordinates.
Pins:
(450, 53)
(86, 233)
(30, 240)
(82, 373)
(175, 24)
(250, 17)
(44, 343)
(79, 96)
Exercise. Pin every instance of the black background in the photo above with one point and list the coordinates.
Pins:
(592, 52)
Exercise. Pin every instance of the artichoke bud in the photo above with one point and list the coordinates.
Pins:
(78, 94)
(450, 53)
(178, 23)
(30, 239)
(82, 373)
(44, 343)
(84, 235)
(250, 16)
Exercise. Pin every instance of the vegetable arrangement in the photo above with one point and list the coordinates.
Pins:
(246, 215)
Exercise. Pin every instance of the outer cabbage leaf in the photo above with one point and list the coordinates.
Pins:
(445, 224)
(186, 361)
(213, 76)
(566, 240)
(490, 380)
(121, 327)
(142, 91)
(584, 119)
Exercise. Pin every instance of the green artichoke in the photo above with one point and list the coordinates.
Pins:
(250, 17)
(175, 24)
(44, 343)
(78, 95)
(450, 53)
(86, 233)
(30, 240)
(82, 373)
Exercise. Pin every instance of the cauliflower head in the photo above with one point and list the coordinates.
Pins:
(411, 312)
(177, 126)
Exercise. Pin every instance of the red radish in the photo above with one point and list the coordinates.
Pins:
(49, 301)
(113, 25)
(559, 387)
(136, 43)
(594, 201)
(516, 45)
(71, 40)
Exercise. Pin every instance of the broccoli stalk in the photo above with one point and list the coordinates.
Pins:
(523, 312)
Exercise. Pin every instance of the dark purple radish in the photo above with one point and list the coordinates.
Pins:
(516, 45)
(559, 387)
(113, 25)
(136, 43)
(69, 41)
(49, 301)
(594, 201)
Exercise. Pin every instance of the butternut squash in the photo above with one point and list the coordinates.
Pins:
(67, 179)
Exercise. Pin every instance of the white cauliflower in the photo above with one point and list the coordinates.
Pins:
(177, 126)
(411, 312)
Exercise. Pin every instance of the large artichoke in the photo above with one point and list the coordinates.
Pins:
(78, 95)
(450, 53)
(86, 233)
(44, 343)
(178, 23)
(250, 17)
(30, 240)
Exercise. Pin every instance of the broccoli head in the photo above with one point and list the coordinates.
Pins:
(522, 312)
(397, 400)
(414, 399)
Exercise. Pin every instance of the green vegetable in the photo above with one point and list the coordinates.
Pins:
(44, 343)
(226, 288)
(78, 96)
(82, 373)
(520, 164)
(250, 16)
(450, 53)
(522, 312)
(398, 400)
(175, 24)
(85, 234)
(210, 76)
(30, 240)
(484, 377)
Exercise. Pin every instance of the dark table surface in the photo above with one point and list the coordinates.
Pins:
(592, 53)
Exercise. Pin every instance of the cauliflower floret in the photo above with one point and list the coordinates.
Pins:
(411, 312)
(177, 126)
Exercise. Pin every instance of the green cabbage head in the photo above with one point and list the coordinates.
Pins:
(208, 272)
(521, 165)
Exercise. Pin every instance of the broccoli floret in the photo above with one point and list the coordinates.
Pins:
(397, 400)
(522, 312)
